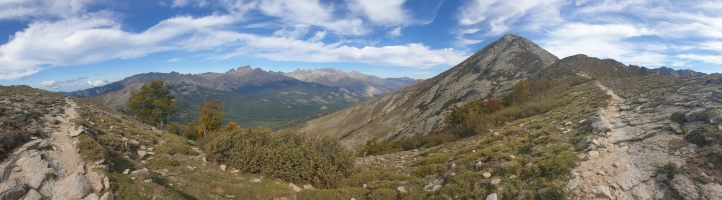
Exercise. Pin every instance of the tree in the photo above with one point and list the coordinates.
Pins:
(153, 103)
(211, 117)
(232, 126)
(493, 105)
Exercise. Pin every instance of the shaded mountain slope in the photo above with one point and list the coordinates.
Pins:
(356, 82)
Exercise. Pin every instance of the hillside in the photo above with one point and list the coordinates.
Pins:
(420, 108)
(251, 97)
(356, 82)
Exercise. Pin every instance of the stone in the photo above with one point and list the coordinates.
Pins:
(106, 182)
(600, 125)
(492, 196)
(601, 173)
(401, 189)
(495, 181)
(436, 187)
(76, 130)
(684, 186)
(75, 186)
(486, 174)
(223, 168)
(572, 184)
(697, 115)
(141, 154)
(593, 154)
(711, 191)
(12, 189)
(256, 180)
(96, 181)
(294, 187)
(126, 171)
(33, 195)
(91, 196)
(616, 164)
(308, 187)
(602, 191)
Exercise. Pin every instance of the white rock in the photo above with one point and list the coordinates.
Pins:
(593, 154)
(76, 130)
(141, 154)
(602, 191)
(294, 187)
(106, 182)
(126, 171)
(223, 167)
(492, 196)
(308, 187)
(486, 174)
(495, 181)
(256, 180)
(401, 189)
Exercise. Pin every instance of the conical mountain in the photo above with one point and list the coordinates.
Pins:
(420, 108)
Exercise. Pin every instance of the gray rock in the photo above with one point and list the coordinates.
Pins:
(308, 187)
(401, 189)
(12, 189)
(75, 186)
(91, 196)
(697, 115)
(685, 187)
(126, 171)
(223, 168)
(602, 191)
(76, 130)
(107, 196)
(495, 181)
(711, 191)
(492, 196)
(600, 125)
(33, 195)
(486, 174)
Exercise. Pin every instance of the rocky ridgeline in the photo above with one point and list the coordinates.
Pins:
(44, 163)
(640, 151)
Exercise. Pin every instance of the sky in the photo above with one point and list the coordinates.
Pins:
(75, 44)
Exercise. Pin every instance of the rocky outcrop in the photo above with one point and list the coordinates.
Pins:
(49, 166)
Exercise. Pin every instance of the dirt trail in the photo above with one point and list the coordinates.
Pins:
(65, 153)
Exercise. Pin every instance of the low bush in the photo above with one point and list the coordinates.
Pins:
(678, 117)
(89, 148)
(383, 193)
(285, 155)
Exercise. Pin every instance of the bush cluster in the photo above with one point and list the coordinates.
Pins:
(284, 154)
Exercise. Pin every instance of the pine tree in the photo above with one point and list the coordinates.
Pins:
(153, 103)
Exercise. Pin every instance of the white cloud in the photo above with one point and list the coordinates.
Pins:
(496, 17)
(714, 59)
(712, 45)
(96, 83)
(93, 38)
(396, 32)
(30, 9)
(383, 12)
(52, 84)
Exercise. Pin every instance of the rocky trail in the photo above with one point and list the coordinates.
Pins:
(52, 168)
(629, 147)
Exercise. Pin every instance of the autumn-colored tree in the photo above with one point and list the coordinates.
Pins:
(231, 126)
(211, 117)
(153, 103)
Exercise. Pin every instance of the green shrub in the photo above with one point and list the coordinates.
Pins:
(373, 147)
(285, 155)
(678, 117)
(89, 148)
(553, 193)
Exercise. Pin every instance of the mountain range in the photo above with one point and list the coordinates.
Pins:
(252, 96)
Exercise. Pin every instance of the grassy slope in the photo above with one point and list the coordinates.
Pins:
(176, 168)
(532, 157)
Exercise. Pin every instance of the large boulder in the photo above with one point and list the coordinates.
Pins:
(75, 186)
(697, 115)
(685, 187)
(600, 125)
(12, 189)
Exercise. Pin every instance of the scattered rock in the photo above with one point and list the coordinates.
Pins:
(256, 180)
(126, 171)
(91, 196)
(495, 181)
(141, 154)
(593, 154)
(486, 174)
(107, 196)
(685, 187)
(401, 189)
(492, 196)
(696, 115)
(294, 187)
(223, 168)
(76, 130)
(308, 187)
(602, 191)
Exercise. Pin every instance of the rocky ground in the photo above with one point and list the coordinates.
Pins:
(639, 152)
(48, 166)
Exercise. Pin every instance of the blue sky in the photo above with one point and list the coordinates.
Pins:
(76, 44)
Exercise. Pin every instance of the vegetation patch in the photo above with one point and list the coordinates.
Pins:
(89, 148)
